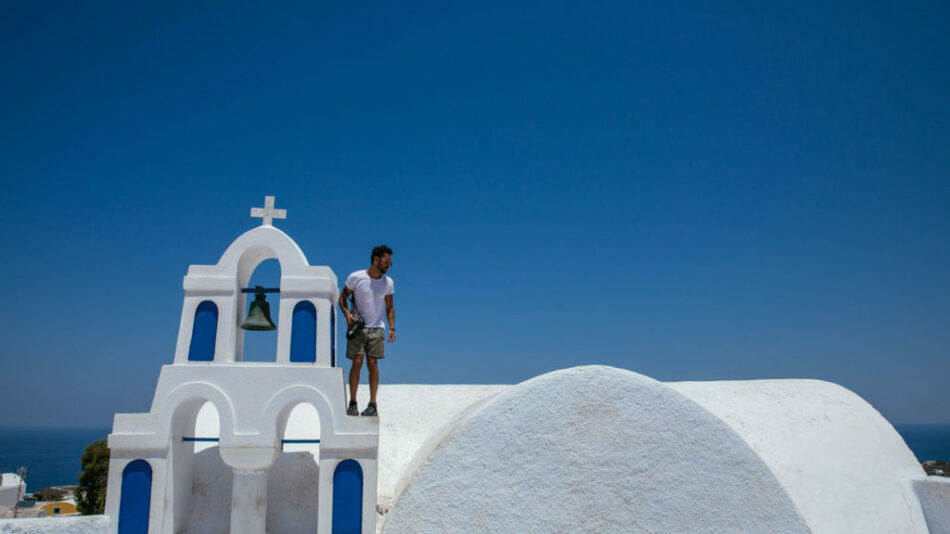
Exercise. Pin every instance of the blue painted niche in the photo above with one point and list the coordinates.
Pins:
(136, 498)
(303, 333)
(204, 332)
(348, 498)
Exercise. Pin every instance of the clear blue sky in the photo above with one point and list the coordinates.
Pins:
(692, 191)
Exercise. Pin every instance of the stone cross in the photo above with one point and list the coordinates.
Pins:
(268, 213)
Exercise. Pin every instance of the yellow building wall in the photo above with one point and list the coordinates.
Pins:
(64, 508)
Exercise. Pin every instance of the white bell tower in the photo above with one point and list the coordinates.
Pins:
(163, 478)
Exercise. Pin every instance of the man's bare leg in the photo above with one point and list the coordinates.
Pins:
(373, 377)
(355, 375)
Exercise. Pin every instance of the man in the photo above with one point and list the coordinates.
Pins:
(371, 290)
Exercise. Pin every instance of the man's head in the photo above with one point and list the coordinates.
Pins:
(382, 258)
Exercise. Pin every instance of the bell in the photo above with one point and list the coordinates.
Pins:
(258, 317)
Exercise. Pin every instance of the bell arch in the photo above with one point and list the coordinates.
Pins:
(259, 346)
(259, 244)
(224, 282)
(239, 262)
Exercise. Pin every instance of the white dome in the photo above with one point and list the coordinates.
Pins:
(842, 463)
(593, 449)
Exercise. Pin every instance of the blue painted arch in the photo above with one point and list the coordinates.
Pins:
(136, 498)
(203, 332)
(303, 333)
(348, 498)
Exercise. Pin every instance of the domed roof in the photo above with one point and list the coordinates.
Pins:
(842, 463)
(593, 449)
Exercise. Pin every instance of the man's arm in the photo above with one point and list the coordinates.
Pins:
(391, 317)
(346, 313)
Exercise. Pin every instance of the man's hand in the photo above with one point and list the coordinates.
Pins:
(349, 319)
(392, 335)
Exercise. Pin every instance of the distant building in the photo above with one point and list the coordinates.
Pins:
(23, 510)
(58, 508)
(12, 488)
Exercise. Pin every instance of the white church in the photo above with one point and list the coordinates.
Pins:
(230, 446)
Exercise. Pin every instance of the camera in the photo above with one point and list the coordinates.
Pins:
(358, 324)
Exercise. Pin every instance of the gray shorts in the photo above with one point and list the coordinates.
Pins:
(368, 341)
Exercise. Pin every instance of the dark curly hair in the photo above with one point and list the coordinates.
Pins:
(379, 252)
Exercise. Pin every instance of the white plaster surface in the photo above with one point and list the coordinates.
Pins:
(843, 464)
(255, 404)
(95, 524)
(292, 494)
(413, 420)
(593, 449)
(211, 494)
(934, 495)
(11, 486)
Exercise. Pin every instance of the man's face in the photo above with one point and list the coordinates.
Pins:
(384, 262)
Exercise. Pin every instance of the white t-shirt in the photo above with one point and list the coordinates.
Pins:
(370, 296)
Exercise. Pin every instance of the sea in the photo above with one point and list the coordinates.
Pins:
(53, 455)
